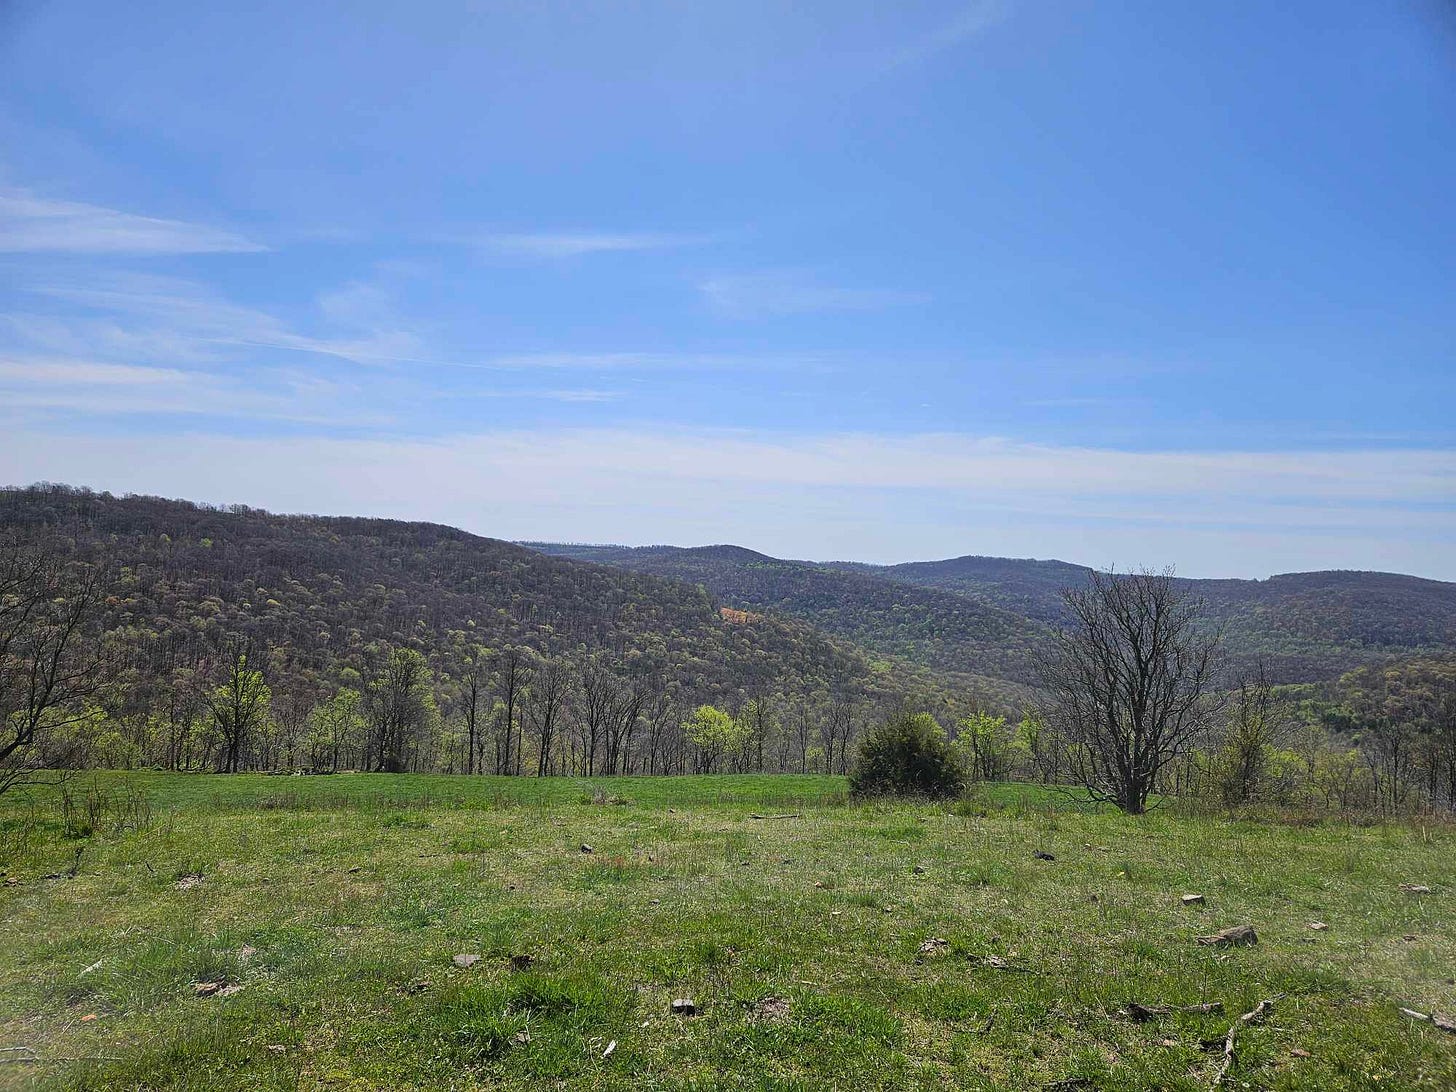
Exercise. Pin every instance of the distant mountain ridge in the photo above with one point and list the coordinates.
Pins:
(1301, 627)
(940, 629)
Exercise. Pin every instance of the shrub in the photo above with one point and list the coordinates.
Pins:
(907, 755)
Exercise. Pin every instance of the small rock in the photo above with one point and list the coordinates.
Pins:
(1300, 1052)
(1043, 855)
(522, 1037)
(1232, 937)
(464, 960)
(655, 902)
(684, 1006)
(1415, 889)
(819, 883)
(1318, 926)
(1194, 900)
(586, 848)
(1409, 936)
(919, 870)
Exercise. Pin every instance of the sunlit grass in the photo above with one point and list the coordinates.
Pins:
(337, 904)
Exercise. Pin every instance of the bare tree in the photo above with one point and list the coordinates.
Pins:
(544, 703)
(472, 687)
(632, 695)
(512, 676)
(47, 665)
(662, 716)
(595, 707)
(1129, 682)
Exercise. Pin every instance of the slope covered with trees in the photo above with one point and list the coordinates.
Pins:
(1300, 626)
(237, 634)
(939, 629)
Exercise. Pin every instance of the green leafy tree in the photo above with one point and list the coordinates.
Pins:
(985, 743)
(715, 736)
(240, 709)
(907, 755)
(335, 728)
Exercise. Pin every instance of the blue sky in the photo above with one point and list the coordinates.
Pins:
(1135, 284)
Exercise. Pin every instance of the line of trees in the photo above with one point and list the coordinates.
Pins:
(508, 710)
(1132, 708)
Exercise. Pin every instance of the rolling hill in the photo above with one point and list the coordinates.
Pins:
(327, 596)
(1303, 627)
(939, 629)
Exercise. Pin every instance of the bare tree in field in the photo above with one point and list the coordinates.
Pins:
(597, 693)
(512, 677)
(545, 703)
(47, 664)
(473, 686)
(1129, 682)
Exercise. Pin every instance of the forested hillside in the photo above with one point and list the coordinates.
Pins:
(319, 604)
(1301, 626)
(942, 630)
(987, 614)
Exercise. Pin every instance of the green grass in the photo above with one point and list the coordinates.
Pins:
(337, 904)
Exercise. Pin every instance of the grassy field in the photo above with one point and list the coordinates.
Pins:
(330, 910)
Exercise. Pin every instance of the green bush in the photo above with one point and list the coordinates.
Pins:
(907, 755)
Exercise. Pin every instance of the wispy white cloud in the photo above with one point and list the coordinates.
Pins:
(643, 361)
(573, 244)
(970, 21)
(166, 310)
(35, 224)
(86, 373)
(100, 390)
(774, 293)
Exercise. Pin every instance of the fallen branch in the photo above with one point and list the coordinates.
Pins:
(1253, 1016)
(1445, 1023)
(794, 815)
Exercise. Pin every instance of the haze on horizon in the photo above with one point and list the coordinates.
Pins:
(1161, 285)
